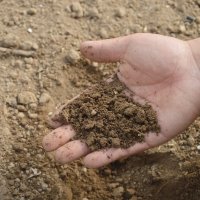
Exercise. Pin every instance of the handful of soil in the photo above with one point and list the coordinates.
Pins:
(104, 117)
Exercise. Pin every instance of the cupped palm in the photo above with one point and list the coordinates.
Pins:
(158, 69)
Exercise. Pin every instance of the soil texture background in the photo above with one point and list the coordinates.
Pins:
(40, 67)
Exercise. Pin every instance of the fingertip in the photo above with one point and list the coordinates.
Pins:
(86, 49)
(109, 50)
(58, 137)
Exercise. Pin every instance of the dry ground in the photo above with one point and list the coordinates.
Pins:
(40, 67)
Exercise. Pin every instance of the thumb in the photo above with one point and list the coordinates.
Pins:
(110, 50)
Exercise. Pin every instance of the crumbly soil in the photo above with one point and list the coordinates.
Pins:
(38, 70)
(105, 117)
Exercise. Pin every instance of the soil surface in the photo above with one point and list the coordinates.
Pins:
(40, 67)
(105, 117)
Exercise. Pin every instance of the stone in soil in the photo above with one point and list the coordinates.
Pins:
(26, 97)
(104, 117)
(72, 56)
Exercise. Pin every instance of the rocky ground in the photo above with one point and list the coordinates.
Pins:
(40, 67)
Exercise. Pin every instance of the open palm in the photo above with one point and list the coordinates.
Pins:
(158, 69)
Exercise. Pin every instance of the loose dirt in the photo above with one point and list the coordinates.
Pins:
(39, 57)
(105, 117)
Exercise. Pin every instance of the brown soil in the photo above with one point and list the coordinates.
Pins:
(35, 39)
(105, 117)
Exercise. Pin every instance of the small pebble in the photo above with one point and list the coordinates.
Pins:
(85, 169)
(113, 185)
(30, 30)
(118, 191)
(44, 186)
(33, 106)
(18, 63)
(182, 28)
(103, 33)
(190, 19)
(33, 115)
(94, 112)
(191, 141)
(26, 98)
(116, 142)
(29, 45)
(29, 61)
(131, 191)
(93, 13)
(120, 12)
(12, 101)
(20, 115)
(198, 19)
(76, 9)
(44, 98)
(17, 147)
(23, 187)
(198, 147)
(21, 108)
(9, 41)
(107, 171)
(31, 11)
(72, 56)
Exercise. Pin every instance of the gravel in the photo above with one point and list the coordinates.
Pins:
(72, 56)
(26, 97)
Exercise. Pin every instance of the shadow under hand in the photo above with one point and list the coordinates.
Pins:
(156, 176)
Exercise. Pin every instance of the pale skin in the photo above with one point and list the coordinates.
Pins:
(161, 70)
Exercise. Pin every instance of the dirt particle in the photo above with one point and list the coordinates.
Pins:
(44, 98)
(118, 191)
(120, 12)
(17, 147)
(103, 33)
(92, 13)
(18, 63)
(31, 11)
(130, 191)
(26, 97)
(93, 112)
(12, 101)
(72, 56)
(76, 9)
(20, 115)
(32, 115)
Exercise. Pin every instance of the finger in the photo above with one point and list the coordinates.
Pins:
(71, 151)
(102, 158)
(110, 50)
(58, 137)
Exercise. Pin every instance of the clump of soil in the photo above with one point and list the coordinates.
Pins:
(104, 117)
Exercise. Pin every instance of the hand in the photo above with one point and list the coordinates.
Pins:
(162, 70)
